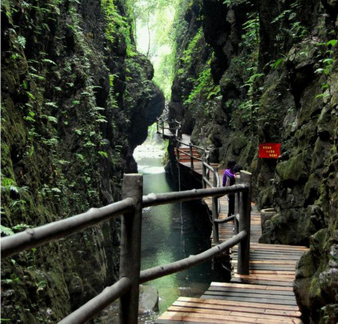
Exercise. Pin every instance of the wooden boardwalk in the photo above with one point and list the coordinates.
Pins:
(185, 160)
(264, 296)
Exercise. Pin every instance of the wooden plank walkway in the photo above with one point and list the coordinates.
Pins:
(264, 296)
(184, 159)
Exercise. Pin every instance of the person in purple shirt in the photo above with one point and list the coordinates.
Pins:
(229, 173)
(228, 180)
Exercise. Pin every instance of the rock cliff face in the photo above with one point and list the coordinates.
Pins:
(275, 65)
(73, 88)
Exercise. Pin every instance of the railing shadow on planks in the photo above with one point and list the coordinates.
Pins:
(130, 207)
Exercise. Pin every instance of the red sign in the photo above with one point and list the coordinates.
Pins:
(269, 151)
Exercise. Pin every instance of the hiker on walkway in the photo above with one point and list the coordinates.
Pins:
(228, 180)
(229, 173)
(237, 169)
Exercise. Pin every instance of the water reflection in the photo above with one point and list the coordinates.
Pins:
(172, 232)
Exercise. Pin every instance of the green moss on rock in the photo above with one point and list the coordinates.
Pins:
(295, 169)
(66, 141)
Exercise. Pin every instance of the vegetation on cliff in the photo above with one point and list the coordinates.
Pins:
(77, 99)
(73, 87)
(252, 72)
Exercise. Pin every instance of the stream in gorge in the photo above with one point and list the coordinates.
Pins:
(172, 232)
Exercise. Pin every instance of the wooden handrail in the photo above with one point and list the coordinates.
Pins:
(127, 288)
(225, 220)
(206, 169)
(177, 131)
(98, 303)
(193, 145)
(188, 195)
(208, 182)
(33, 237)
(191, 261)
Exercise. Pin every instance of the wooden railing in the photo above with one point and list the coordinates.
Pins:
(180, 151)
(130, 207)
(208, 171)
(173, 127)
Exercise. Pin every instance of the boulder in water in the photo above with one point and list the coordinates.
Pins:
(148, 300)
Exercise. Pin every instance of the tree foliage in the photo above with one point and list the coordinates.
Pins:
(157, 25)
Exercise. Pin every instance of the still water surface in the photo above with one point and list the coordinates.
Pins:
(172, 232)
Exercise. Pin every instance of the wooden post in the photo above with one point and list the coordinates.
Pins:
(179, 132)
(191, 157)
(244, 225)
(177, 151)
(130, 260)
(215, 210)
(237, 211)
(203, 173)
(237, 205)
(207, 160)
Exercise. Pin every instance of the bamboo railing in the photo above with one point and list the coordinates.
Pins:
(130, 207)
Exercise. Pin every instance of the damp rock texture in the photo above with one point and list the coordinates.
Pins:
(269, 75)
(73, 88)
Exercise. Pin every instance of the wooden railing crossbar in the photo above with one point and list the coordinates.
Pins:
(192, 145)
(127, 287)
(225, 220)
(207, 169)
(177, 131)
(33, 237)
(191, 261)
(112, 293)
(208, 182)
(180, 196)
(189, 154)
(99, 303)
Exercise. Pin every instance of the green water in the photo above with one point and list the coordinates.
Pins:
(172, 232)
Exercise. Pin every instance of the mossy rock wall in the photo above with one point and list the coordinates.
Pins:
(73, 87)
(276, 67)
